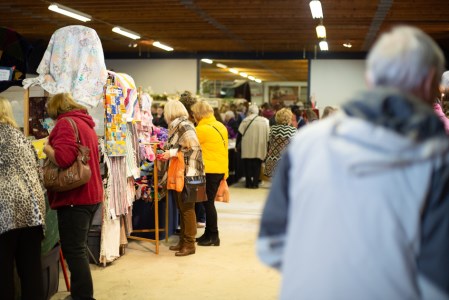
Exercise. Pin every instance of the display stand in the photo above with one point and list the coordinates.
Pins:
(156, 229)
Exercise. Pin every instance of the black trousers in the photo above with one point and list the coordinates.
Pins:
(212, 184)
(24, 247)
(252, 171)
(74, 224)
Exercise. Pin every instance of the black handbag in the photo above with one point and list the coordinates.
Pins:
(194, 189)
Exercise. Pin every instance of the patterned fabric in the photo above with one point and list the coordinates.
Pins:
(182, 133)
(73, 63)
(280, 136)
(22, 202)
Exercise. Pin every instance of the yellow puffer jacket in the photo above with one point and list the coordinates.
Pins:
(215, 152)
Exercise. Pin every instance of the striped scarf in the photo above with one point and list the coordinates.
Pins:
(182, 136)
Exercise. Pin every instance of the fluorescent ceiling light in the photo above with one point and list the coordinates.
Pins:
(162, 46)
(321, 31)
(207, 60)
(347, 45)
(233, 71)
(67, 11)
(243, 74)
(251, 77)
(126, 32)
(222, 66)
(324, 46)
(315, 8)
(258, 80)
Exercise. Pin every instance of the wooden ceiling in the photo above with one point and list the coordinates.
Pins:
(232, 29)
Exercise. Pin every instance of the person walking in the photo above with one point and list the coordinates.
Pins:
(75, 208)
(359, 205)
(22, 211)
(213, 138)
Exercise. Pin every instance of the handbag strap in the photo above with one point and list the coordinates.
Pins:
(75, 128)
(248, 126)
(224, 143)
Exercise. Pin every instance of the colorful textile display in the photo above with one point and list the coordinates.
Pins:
(73, 63)
(115, 122)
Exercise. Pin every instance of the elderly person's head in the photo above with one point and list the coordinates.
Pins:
(283, 116)
(229, 115)
(6, 114)
(62, 103)
(328, 110)
(253, 109)
(174, 109)
(202, 109)
(408, 59)
(444, 85)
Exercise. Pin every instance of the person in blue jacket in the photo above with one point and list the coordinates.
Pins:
(359, 204)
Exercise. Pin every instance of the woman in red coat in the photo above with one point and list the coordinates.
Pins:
(75, 207)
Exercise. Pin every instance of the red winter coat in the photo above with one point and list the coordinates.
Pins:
(62, 139)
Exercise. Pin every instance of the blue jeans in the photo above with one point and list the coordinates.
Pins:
(74, 224)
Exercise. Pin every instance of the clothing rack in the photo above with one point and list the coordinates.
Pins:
(156, 229)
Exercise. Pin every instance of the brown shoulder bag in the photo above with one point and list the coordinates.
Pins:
(57, 179)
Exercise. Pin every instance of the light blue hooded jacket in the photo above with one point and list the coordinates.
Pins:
(359, 204)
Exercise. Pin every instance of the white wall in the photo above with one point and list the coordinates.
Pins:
(163, 75)
(333, 82)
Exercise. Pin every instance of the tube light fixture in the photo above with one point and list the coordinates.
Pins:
(251, 77)
(324, 46)
(222, 66)
(321, 31)
(258, 80)
(69, 12)
(243, 74)
(315, 8)
(207, 60)
(233, 71)
(162, 46)
(126, 32)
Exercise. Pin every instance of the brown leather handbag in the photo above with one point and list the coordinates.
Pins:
(57, 179)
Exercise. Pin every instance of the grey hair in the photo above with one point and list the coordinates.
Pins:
(229, 115)
(445, 80)
(253, 110)
(402, 58)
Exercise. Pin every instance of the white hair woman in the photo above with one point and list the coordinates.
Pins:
(182, 137)
(254, 133)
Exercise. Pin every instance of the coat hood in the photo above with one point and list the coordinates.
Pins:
(81, 115)
(384, 129)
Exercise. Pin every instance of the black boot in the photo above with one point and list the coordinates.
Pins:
(204, 237)
(212, 240)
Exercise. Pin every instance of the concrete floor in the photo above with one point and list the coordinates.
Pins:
(230, 271)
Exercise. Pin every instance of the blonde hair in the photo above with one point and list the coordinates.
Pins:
(202, 109)
(284, 116)
(174, 109)
(328, 110)
(6, 115)
(62, 103)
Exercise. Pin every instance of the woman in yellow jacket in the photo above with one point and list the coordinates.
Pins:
(213, 137)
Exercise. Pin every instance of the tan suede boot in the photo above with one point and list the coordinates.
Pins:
(186, 249)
